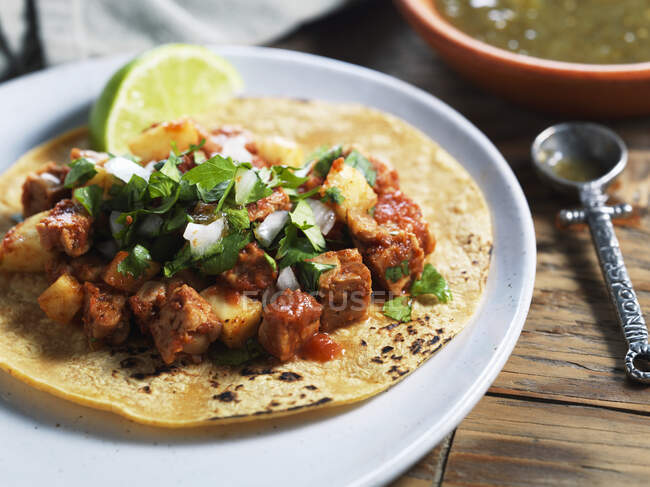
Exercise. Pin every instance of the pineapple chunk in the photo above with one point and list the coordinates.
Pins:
(155, 143)
(359, 196)
(126, 282)
(21, 248)
(239, 314)
(62, 300)
(278, 150)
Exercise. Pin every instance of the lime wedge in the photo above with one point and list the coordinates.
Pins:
(161, 84)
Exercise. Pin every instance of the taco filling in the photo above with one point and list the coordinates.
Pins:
(203, 236)
(260, 260)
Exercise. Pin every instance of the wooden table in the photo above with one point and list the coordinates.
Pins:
(561, 412)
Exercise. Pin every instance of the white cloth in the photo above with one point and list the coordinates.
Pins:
(77, 29)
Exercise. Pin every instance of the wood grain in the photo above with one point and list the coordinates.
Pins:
(561, 412)
(511, 442)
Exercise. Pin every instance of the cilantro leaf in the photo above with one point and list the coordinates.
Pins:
(175, 220)
(333, 195)
(293, 249)
(227, 254)
(130, 196)
(295, 196)
(90, 198)
(81, 170)
(309, 274)
(324, 158)
(170, 168)
(394, 274)
(160, 185)
(286, 177)
(398, 308)
(182, 260)
(215, 170)
(359, 161)
(431, 282)
(220, 191)
(136, 263)
(303, 218)
(238, 218)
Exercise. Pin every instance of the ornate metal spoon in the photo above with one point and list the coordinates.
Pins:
(583, 159)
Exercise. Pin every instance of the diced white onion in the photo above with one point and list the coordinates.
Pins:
(234, 147)
(245, 180)
(151, 225)
(108, 248)
(271, 227)
(324, 216)
(203, 237)
(123, 168)
(50, 177)
(150, 166)
(287, 280)
(115, 226)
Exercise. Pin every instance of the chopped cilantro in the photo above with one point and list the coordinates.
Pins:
(295, 196)
(398, 308)
(90, 198)
(226, 254)
(309, 274)
(136, 263)
(303, 218)
(357, 160)
(175, 220)
(170, 168)
(130, 196)
(238, 218)
(333, 195)
(215, 170)
(394, 274)
(161, 185)
(324, 158)
(431, 282)
(81, 170)
(182, 260)
(219, 192)
(286, 177)
(293, 249)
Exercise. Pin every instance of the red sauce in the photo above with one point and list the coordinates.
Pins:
(321, 348)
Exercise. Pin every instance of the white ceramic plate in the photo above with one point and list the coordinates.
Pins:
(48, 441)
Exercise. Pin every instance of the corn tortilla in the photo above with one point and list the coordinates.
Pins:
(133, 381)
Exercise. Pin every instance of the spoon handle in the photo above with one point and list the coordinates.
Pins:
(620, 288)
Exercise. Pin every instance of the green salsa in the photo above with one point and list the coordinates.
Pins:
(582, 31)
(577, 170)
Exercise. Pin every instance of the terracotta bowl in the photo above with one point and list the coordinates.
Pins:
(586, 90)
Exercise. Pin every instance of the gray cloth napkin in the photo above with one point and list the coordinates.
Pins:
(65, 30)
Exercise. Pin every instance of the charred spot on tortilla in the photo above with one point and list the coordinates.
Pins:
(229, 268)
(225, 396)
(290, 376)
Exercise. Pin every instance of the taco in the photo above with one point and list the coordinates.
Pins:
(271, 257)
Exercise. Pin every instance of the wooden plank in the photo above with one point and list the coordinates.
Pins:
(428, 471)
(516, 442)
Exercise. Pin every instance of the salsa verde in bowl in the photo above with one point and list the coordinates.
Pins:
(495, 44)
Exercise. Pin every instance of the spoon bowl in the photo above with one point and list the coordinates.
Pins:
(573, 155)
